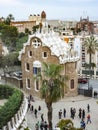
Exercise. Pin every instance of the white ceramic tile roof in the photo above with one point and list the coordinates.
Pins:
(57, 46)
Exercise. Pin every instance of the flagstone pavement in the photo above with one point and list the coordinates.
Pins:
(68, 102)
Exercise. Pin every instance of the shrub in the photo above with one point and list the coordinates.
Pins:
(67, 125)
(11, 107)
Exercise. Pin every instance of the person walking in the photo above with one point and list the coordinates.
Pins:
(60, 114)
(37, 126)
(83, 114)
(32, 108)
(80, 113)
(82, 124)
(88, 118)
(88, 108)
(29, 106)
(64, 112)
(39, 108)
(41, 125)
(45, 125)
(42, 118)
(35, 112)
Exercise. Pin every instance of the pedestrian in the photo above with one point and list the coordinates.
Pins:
(88, 108)
(95, 94)
(88, 118)
(32, 108)
(71, 109)
(74, 110)
(45, 125)
(41, 125)
(39, 108)
(30, 96)
(82, 124)
(80, 113)
(64, 112)
(29, 105)
(35, 112)
(36, 126)
(60, 114)
(42, 118)
(83, 114)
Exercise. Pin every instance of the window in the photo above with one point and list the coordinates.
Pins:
(36, 67)
(44, 54)
(36, 70)
(72, 84)
(28, 83)
(37, 85)
(30, 53)
(27, 66)
(36, 43)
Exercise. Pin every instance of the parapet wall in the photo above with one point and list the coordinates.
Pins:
(18, 118)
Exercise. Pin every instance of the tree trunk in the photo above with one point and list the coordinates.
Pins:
(90, 60)
(49, 114)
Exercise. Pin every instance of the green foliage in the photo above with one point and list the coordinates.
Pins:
(91, 46)
(26, 128)
(67, 125)
(11, 107)
(9, 35)
(35, 28)
(21, 34)
(9, 60)
(21, 40)
(12, 38)
(5, 91)
(27, 31)
(9, 19)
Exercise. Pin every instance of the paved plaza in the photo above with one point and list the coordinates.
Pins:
(68, 102)
(75, 102)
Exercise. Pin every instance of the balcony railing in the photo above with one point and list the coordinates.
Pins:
(18, 118)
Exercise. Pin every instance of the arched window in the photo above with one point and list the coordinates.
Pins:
(36, 70)
(72, 84)
(37, 85)
(36, 67)
(28, 83)
(27, 66)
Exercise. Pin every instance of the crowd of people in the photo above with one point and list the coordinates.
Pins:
(83, 115)
(42, 124)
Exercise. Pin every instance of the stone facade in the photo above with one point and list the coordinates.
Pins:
(37, 55)
(85, 25)
(22, 25)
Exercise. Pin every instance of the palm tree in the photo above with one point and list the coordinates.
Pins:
(52, 86)
(91, 45)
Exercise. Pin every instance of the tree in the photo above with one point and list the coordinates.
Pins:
(9, 19)
(8, 62)
(34, 28)
(91, 45)
(52, 86)
(27, 31)
(9, 35)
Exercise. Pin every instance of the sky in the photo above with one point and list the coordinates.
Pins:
(55, 9)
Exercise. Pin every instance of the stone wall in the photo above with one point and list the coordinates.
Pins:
(13, 81)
